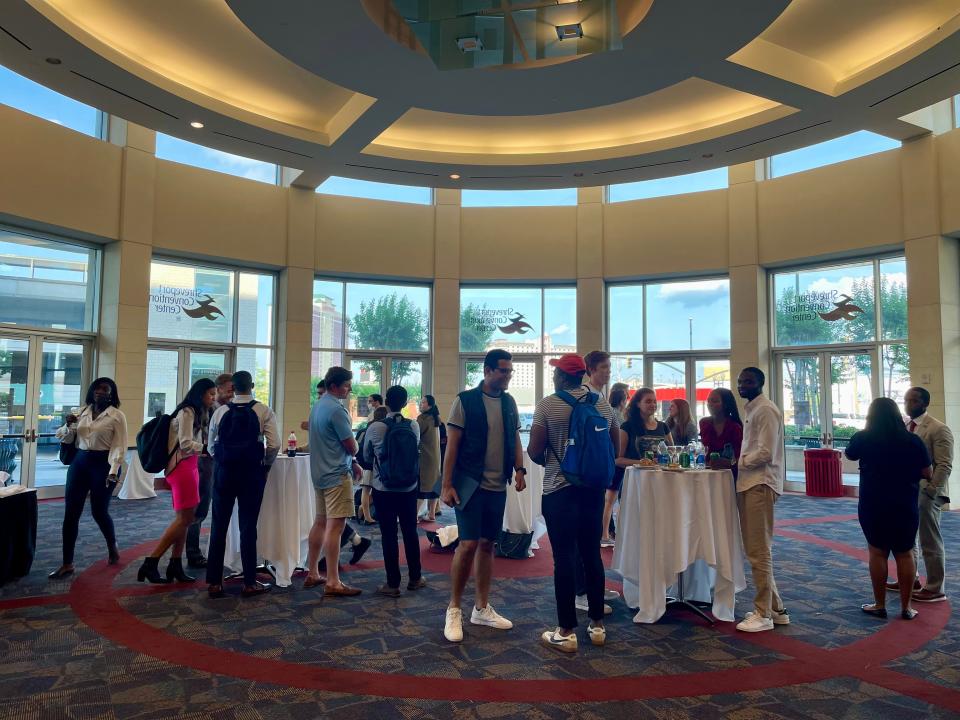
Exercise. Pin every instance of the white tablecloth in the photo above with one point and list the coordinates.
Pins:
(669, 520)
(523, 512)
(286, 515)
(137, 482)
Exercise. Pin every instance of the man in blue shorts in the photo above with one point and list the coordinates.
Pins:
(483, 455)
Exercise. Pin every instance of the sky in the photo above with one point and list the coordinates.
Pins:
(692, 182)
(837, 150)
(28, 96)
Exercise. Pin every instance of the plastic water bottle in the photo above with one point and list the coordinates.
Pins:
(663, 456)
(291, 444)
(701, 456)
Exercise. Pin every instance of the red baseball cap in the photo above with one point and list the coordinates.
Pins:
(571, 363)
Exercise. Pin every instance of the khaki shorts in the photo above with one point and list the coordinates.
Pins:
(336, 501)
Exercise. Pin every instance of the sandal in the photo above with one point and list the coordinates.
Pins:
(908, 614)
(872, 609)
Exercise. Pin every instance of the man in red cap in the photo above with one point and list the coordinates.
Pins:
(574, 512)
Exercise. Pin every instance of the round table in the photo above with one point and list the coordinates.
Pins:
(523, 512)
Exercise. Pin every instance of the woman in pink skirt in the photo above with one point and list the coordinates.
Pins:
(187, 441)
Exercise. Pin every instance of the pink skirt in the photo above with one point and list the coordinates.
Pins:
(184, 484)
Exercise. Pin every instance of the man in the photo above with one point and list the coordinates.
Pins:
(195, 558)
(934, 493)
(241, 464)
(332, 467)
(483, 454)
(396, 482)
(574, 514)
(759, 484)
(373, 402)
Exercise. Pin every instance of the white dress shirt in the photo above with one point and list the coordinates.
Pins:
(268, 426)
(184, 440)
(108, 432)
(761, 457)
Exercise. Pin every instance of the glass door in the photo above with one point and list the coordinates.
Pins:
(14, 433)
(852, 389)
(368, 378)
(532, 379)
(686, 377)
(801, 400)
(172, 370)
(375, 373)
(62, 391)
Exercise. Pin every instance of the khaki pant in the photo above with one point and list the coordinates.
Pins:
(930, 542)
(756, 527)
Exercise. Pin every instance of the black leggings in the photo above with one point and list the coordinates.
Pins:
(87, 474)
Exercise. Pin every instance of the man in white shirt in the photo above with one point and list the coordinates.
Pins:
(759, 484)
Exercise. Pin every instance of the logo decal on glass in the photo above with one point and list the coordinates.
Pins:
(844, 310)
(205, 309)
(516, 325)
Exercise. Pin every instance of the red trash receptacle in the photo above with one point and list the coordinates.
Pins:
(823, 470)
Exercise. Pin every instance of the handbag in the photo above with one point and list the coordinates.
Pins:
(68, 451)
(515, 546)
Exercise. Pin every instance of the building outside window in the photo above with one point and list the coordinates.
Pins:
(534, 324)
(48, 314)
(204, 321)
(673, 337)
(839, 335)
(380, 331)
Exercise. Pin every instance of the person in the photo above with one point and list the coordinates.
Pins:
(681, 423)
(195, 558)
(723, 427)
(396, 504)
(618, 401)
(483, 454)
(892, 462)
(333, 467)
(366, 478)
(429, 424)
(100, 433)
(598, 367)
(185, 443)
(642, 431)
(759, 485)
(244, 442)
(934, 492)
(374, 402)
(573, 514)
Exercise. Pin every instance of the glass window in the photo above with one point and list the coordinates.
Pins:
(349, 187)
(518, 198)
(45, 283)
(257, 361)
(625, 318)
(896, 371)
(560, 320)
(715, 179)
(693, 315)
(188, 153)
(956, 111)
(328, 314)
(321, 360)
(893, 298)
(837, 150)
(825, 305)
(30, 97)
(191, 303)
(388, 317)
(506, 317)
(627, 369)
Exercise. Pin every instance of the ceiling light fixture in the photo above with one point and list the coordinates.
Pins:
(570, 31)
(196, 124)
(54, 61)
(471, 43)
(454, 176)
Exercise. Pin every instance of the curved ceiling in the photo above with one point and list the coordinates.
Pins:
(331, 89)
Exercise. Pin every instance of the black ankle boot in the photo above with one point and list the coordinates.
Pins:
(149, 571)
(175, 571)
(113, 554)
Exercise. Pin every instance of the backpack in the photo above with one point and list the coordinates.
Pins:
(152, 441)
(239, 437)
(588, 459)
(398, 463)
(361, 436)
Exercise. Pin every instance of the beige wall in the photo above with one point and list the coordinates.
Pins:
(84, 187)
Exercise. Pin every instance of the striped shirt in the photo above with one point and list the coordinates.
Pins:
(553, 414)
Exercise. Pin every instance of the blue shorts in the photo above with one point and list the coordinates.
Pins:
(482, 517)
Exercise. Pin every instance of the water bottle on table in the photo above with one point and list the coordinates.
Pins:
(291, 444)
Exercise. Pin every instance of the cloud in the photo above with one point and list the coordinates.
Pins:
(698, 293)
(560, 329)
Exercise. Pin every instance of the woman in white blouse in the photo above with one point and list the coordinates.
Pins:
(186, 442)
(100, 433)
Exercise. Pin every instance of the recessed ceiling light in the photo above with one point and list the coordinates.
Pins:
(471, 43)
(54, 61)
(196, 124)
(707, 155)
(570, 32)
(578, 174)
(454, 176)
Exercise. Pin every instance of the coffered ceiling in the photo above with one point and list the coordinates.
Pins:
(341, 88)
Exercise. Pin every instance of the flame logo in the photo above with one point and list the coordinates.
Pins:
(205, 309)
(517, 325)
(845, 310)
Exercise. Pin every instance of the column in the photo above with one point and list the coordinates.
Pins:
(590, 283)
(446, 299)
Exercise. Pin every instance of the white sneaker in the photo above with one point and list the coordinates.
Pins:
(583, 604)
(597, 633)
(611, 595)
(453, 627)
(555, 641)
(754, 622)
(489, 617)
(781, 618)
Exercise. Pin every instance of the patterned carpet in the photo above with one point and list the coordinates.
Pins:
(101, 645)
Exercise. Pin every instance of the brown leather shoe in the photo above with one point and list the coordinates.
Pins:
(342, 591)
(257, 588)
(308, 583)
(216, 591)
(928, 596)
(418, 585)
(895, 586)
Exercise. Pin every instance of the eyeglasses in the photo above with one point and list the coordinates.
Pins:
(504, 371)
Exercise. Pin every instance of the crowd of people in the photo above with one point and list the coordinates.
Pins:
(221, 444)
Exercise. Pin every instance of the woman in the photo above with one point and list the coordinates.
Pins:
(681, 423)
(100, 433)
(366, 478)
(722, 428)
(618, 401)
(429, 422)
(892, 462)
(642, 431)
(186, 442)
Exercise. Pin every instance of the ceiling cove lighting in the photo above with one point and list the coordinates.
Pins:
(196, 124)
(570, 32)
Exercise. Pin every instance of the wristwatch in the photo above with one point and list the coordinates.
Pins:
(520, 469)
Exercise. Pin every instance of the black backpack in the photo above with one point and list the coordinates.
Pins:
(361, 436)
(239, 437)
(152, 441)
(398, 462)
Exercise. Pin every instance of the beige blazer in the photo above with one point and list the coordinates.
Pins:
(939, 441)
